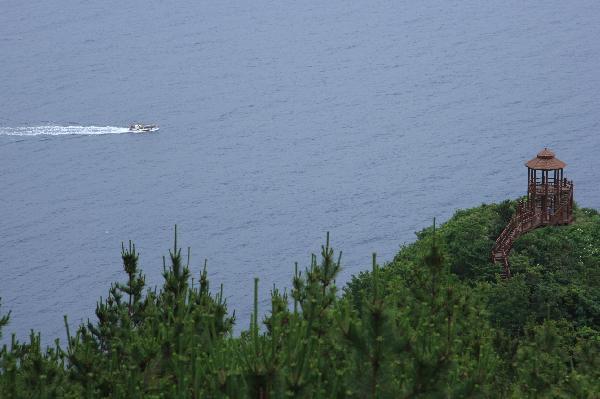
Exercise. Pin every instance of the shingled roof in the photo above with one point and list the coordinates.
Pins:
(545, 160)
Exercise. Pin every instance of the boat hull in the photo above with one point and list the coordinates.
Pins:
(143, 128)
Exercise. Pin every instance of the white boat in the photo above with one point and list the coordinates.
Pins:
(139, 128)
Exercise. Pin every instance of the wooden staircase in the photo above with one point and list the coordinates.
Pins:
(521, 222)
(529, 217)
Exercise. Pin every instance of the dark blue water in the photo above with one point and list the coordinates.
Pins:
(279, 121)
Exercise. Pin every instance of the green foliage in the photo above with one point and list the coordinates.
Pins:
(556, 280)
(440, 344)
(555, 361)
(437, 321)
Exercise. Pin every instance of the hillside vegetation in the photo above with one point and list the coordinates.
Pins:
(436, 321)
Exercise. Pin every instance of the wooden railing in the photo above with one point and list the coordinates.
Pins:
(529, 217)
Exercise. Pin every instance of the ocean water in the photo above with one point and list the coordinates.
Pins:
(279, 121)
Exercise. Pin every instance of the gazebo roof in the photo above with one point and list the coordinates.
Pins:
(545, 160)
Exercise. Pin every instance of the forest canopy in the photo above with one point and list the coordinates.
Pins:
(435, 321)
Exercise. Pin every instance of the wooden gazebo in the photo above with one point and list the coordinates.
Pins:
(549, 203)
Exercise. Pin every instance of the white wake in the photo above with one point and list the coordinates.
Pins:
(62, 130)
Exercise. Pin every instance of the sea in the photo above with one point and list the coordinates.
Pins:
(279, 121)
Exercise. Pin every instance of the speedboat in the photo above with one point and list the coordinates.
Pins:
(139, 128)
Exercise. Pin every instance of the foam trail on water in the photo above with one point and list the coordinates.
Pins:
(62, 130)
